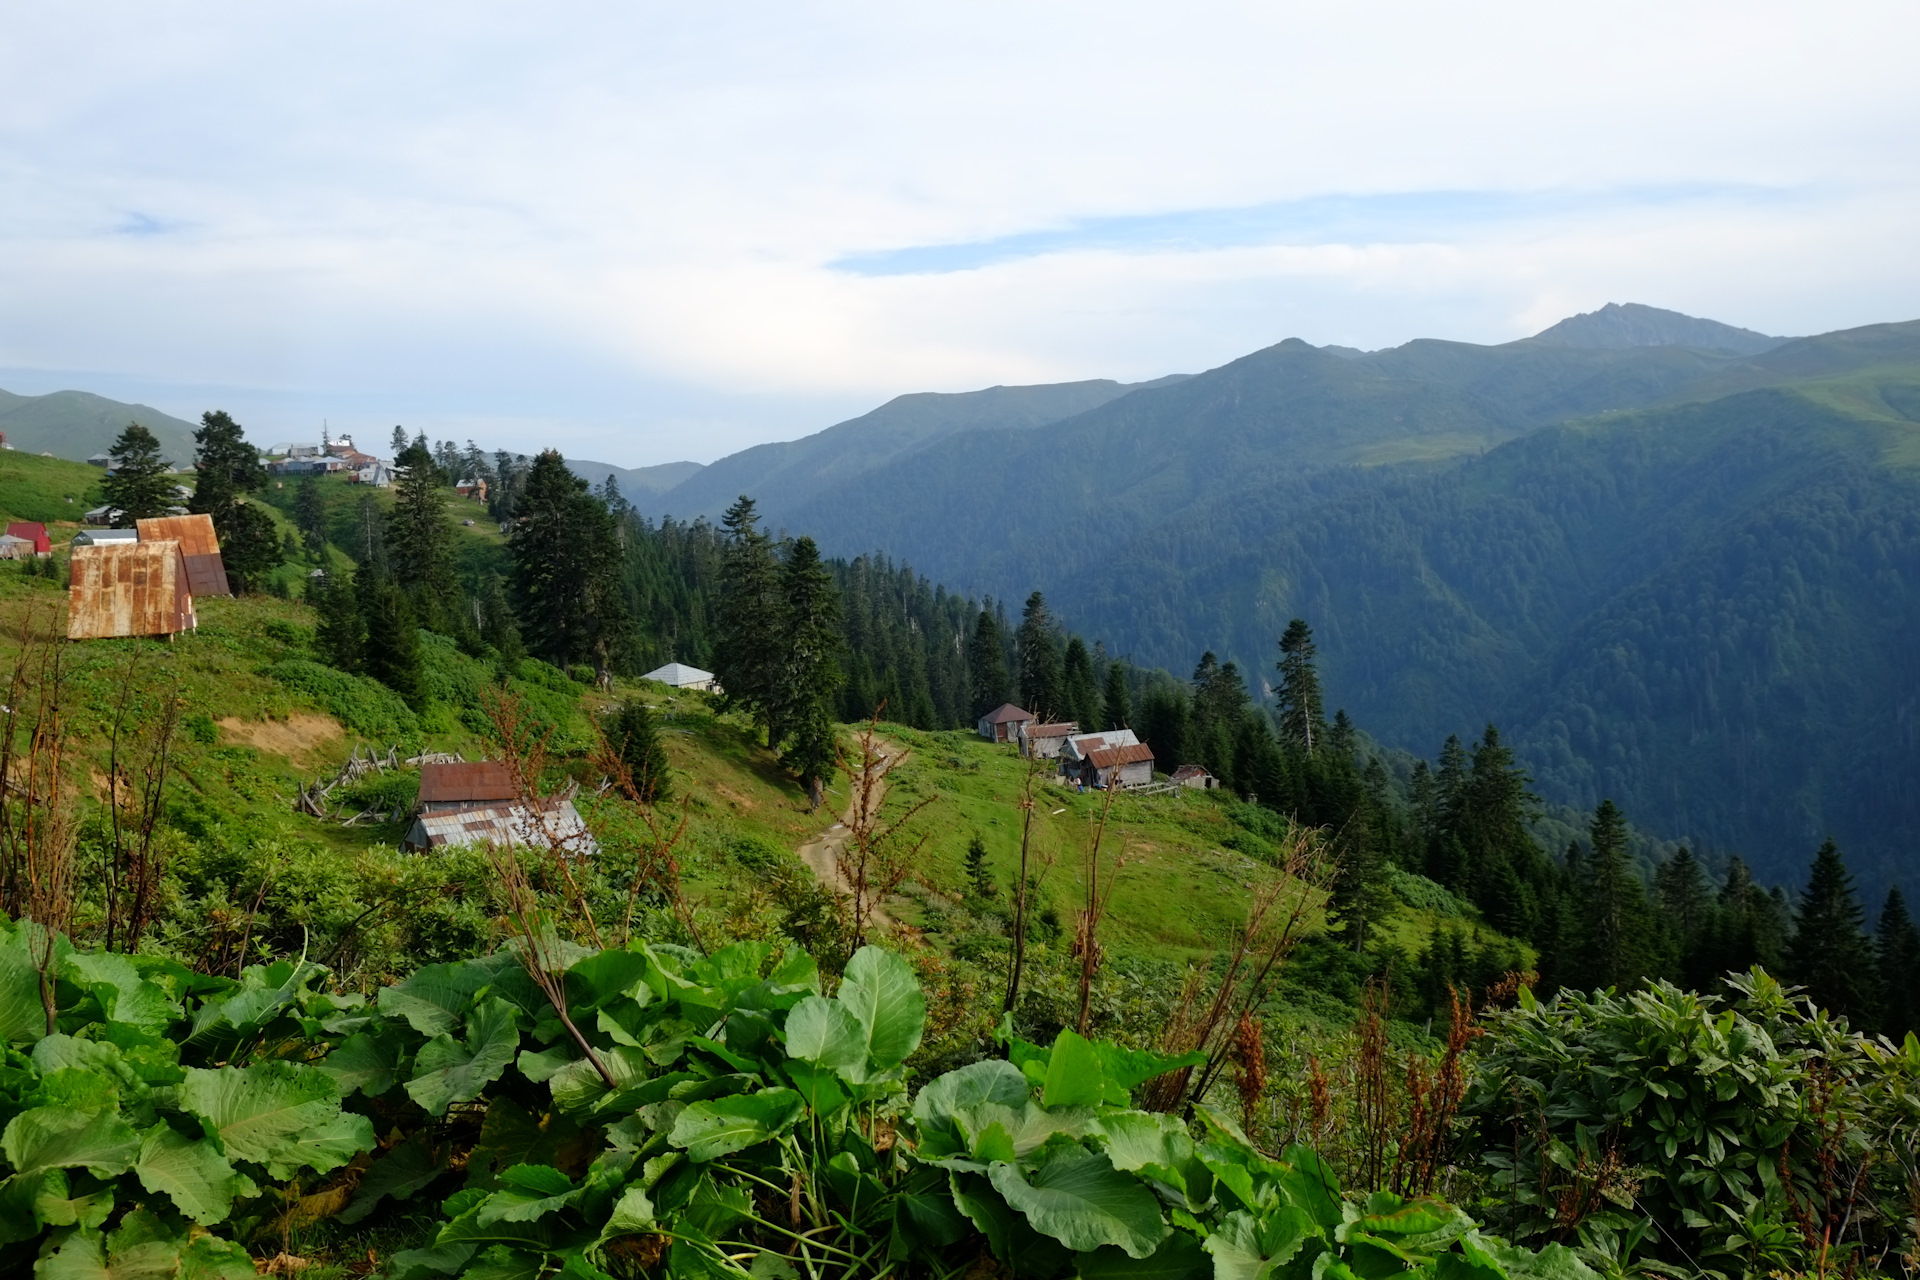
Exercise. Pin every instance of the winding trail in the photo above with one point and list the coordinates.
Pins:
(822, 853)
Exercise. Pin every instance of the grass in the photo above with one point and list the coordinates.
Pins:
(50, 490)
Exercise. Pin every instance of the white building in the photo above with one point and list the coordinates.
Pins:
(681, 676)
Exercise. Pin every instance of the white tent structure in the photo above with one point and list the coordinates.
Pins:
(681, 676)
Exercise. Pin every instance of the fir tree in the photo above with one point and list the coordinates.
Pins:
(636, 741)
(498, 628)
(809, 677)
(392, 655)
(1163, 724)
(1302, 720)
(1078, 689)
(1897, 948)
(746, 654)
(1218, 708)
(137, 487)
(342, 634)
(986, 666)
(310, 517)
(1342, 737)
(399, 443)
(980, 883)
(420, 540)
(1830, 955)
(1116, 706)
(1686, 902)
(1040, 690)
(228, 469)
(1616, 904)
(567, 561)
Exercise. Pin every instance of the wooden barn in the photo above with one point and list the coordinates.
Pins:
(464, 803)
(1127, 766)
(206, 572)
(1046, 740)
(128, 589)
(1004, 723)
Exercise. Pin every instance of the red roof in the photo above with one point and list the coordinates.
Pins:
(1006, 713)
(32, 532)
(1110, 756)
(461, 783)
(1060, 730)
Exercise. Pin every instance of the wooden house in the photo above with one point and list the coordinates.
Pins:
(34, 532)
(1193, 775)
(1124, 766)
(206, 571)
(1077, 746)
(128, 589)
(1004, 723)
(447, 787)
(463, 804)
(1045, 741)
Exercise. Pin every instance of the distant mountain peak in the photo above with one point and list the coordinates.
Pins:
(1619, 325)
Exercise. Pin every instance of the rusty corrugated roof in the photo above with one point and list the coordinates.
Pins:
(1064, 729)
(128, 589)
(194, 533)
(459, 783)
(1133, 754)
(507, 826)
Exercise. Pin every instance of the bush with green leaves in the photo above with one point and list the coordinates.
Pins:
(1723, 1137)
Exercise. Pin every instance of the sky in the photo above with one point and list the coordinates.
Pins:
(643, 232)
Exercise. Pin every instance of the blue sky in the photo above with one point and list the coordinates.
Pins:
(647, 232)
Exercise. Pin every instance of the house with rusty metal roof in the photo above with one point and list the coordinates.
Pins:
(1004, 722)
(1124, 766)
(466, 803)
(445, 788)
(128, 589)
(1079, 745)
(206, 571)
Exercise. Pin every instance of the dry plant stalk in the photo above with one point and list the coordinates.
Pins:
(873, 862)
(1249, 1054)
(523, 749)
(1434, 1095)
(533, 928)
(1277, 921)
(37, 812)
(1025, 885)
(1093, 907)
(1373, 1100)
(135, 791)
(657, 864)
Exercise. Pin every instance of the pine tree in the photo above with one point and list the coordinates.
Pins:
(1342, 737)
(1616, 905)
(809, 677)
(392, 655)
(1746, 928)
(636, 741)
(1897, 948)
(1163, 725)
(1830, 955)
(1219, 705)
(1116, 704)
(1079, 690)
(746, 654)
(310, 517)
(1686, 902)
(498, 628)
(986, 666)
(342, 634)
(567, 562)
(1302, 719)
(399, 443)
(137, 487)
(420, 540)
(980, 883)
(1040, 681)
(228, 469)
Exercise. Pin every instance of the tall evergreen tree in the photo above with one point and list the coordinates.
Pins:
(137, 486)
(1897, 947)
(1040, 682)
(310, 517)
(1830, 955)
(1116, 704)
(498, 627)
(636, 741)
(1163, 726)
(1748, 928)
(809, 679)
(420, 540)
(392, 654)
(1078, 689)
(1686, 903)
(567, 561)
(1219, 705)
(228, 468)
(342, 634)
(1302, 719)
(980, 884)
(399, 442)
(1617, 906)
(986, 666)
(746, 646)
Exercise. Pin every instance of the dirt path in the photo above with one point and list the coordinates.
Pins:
(822, 853)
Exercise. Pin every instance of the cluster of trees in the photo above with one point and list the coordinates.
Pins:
(140, 485)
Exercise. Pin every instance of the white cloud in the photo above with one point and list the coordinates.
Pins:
(612, 228)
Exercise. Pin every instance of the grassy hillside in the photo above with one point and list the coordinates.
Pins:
(51, 490)
(77, 424)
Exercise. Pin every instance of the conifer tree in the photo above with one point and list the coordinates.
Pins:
(1830, 955)
(228, 468)
(1163, 725)
(310, 517)
(420, 540)
(1747, 926)
(1342, 737)
(986, 666)
(1078, 689)
(399, 442)
(392, 654)
(1219, 705)
(1302, 719)
(498, 628)
(342, 634)
(1040, 691)
(137, 487)
(746, 652)
(636, 740)
(1116, 703)
(1897, 948)
(809, 675)
(980, 883)
(1616, 902)
(567, 559)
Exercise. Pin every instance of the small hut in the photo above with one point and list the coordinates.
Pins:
(1004, 723)
(128, 589)
(206, 571)
(1044, 741)
(1127, 766)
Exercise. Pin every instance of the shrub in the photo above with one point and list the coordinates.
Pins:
(363, 705)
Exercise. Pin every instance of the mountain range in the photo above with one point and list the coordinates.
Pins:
(78, 424)
(1676, 561)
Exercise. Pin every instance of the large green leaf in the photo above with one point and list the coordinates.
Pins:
(368, 1062)
(262, 1111)
(880, 989)
(1246, 1248)
(124, 995)
(1081, 1200)
(446, 1071)
(140, 1249)
(1179, 1257)
(325, 1147)
(399, 1173)
(23, 1018)
(433, 998)
(1074, 1075)
(190, 1172)
(101, 1142)
(721, 1126)
(826, 1033)
(529, 1191)
(944, 1097)
(1128, 1069)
